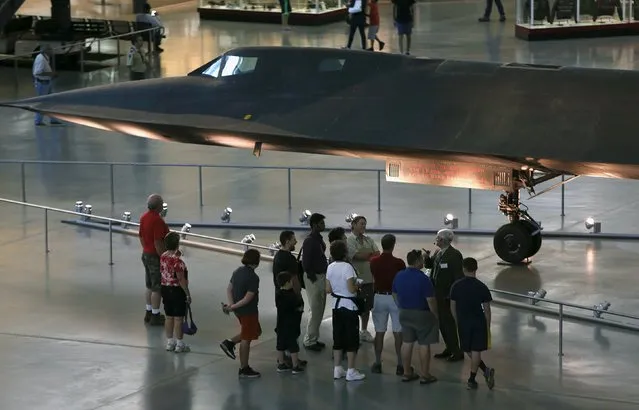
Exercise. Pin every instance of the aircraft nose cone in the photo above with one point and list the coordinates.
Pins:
(123, 100)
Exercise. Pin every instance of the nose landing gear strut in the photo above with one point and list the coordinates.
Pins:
(519, 239)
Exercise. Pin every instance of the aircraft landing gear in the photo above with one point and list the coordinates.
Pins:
(519, 239)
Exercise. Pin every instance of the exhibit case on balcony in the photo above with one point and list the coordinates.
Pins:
(303, 12)
(560, 19)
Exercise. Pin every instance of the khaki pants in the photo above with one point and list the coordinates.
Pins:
(316, 294)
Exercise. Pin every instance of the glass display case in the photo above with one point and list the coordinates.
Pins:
(303, 12)
(556, 19)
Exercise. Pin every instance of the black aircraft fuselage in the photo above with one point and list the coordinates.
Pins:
(440, 122)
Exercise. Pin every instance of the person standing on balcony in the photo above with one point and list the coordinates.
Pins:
(135, 60)
(43, 75)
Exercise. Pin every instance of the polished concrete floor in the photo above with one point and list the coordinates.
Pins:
(73, 335)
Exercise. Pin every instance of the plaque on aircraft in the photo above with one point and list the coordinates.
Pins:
(449, 173)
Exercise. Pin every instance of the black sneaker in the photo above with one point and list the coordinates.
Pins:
(248, 373)
(157, 319)
(298, 369)
(489, 375)
(302, 363)
(314, 347)
(283, 367)
(472, 385)
(399, 371)
(381, 45)
(483, 19)
(229, 348)
(377, 368)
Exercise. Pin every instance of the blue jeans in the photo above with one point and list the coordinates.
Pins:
(43, 89)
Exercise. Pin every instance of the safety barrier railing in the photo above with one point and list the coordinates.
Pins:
(115, 226)
(82, 44)
(380, 174)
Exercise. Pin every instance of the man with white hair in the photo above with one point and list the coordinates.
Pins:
(43, 75)
(152, 231)
(446, 265)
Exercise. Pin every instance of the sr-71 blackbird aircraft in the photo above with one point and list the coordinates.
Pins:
(501, 127)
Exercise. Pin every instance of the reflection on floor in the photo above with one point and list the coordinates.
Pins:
(73, 335)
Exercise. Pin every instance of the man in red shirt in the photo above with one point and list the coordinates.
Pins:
(384, 268)
(152, 231)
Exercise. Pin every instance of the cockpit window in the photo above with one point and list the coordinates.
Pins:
(230, 65)
(235, 65)
(214, 69)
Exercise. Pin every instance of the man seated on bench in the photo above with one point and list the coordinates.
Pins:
(154, 21)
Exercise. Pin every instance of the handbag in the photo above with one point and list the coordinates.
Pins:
(189, 328)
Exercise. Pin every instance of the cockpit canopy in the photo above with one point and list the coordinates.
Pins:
(296, 62)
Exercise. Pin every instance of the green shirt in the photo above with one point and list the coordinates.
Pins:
(359, 244)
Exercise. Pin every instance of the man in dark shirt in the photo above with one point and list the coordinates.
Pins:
(384, 269)
(285, 261)
(470, 304)
(403, 12)
(243, 296)
(315, 264)
(446, 264)
(415, 296)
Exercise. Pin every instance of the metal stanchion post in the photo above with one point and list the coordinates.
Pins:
(289, 189)
(561, 330)
(46, 231)
(111, 176)
(379, 191)
(470, 200)
(199, 175)
(82, 59)
(24, 182)
(563, 194)
(117, 43)
(110, 242)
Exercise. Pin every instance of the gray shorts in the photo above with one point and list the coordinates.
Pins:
(372, 32)
(420, 326)
(152, 274)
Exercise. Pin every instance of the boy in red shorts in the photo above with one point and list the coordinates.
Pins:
(243, 295)
(373, 25)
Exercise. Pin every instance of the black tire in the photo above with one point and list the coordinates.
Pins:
(512, 242)
(536, 238)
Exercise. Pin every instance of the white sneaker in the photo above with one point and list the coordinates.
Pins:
(182, 348)
(365, 336)
(338, 372)
(170, 345)
(354, 375)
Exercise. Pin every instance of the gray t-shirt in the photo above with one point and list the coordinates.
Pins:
(245, 280)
